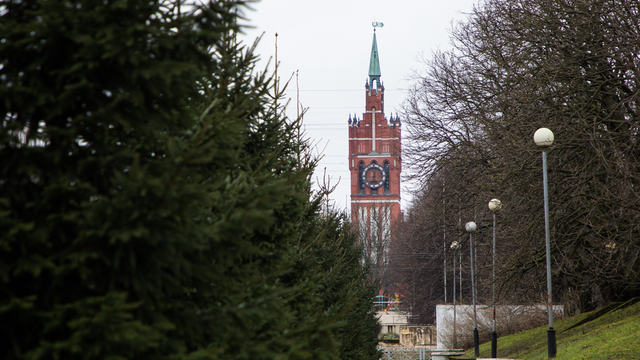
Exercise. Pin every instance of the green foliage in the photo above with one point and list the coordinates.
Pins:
(330, 267)
(390, 337)
(154, 200)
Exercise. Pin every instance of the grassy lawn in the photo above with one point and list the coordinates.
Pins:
(610, 333)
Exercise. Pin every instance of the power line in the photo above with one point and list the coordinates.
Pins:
(349, 90)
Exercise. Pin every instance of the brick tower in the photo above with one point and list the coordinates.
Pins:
(375, 164)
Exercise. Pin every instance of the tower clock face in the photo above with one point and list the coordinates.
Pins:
(373, 176)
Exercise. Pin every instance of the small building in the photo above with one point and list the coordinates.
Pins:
(391, 321)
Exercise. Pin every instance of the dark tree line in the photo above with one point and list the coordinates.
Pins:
(155, 201)
(572, 66)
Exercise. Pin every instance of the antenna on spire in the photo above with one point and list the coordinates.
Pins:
(376, 24)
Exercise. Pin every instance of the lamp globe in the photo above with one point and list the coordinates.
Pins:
(470, 227)
(543, 137)
(495, 205)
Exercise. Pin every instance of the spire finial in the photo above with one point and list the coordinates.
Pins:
(374, 61)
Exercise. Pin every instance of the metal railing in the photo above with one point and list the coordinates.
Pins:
(407, 353)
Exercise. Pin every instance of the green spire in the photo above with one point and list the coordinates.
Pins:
(374, 62)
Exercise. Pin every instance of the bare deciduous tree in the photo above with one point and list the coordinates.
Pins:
(518, 65)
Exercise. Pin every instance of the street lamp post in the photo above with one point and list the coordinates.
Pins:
(460, 272)
(544, 137)
(471, 228)
(494, 205)
(454, 246)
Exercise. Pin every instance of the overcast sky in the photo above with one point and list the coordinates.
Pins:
(328, 43)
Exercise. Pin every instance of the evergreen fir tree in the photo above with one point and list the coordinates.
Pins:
(154, 199)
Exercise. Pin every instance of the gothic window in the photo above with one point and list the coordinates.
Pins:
(360, 177)
(386, 178)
